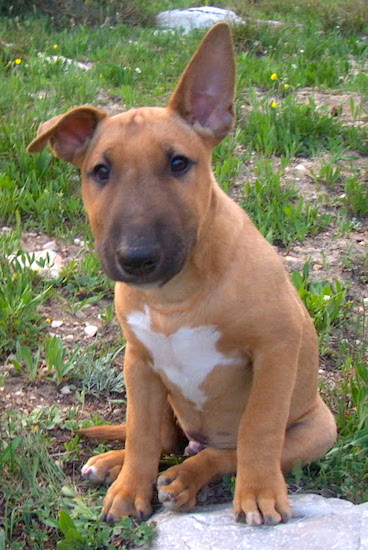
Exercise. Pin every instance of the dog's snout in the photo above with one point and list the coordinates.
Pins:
(139, 261)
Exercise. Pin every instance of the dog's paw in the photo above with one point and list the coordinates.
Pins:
(258, 504)
(127, 499)
(176, 490)
(103, 468)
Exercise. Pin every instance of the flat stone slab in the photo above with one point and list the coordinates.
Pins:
(318, 523)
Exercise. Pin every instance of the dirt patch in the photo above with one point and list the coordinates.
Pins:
(351, 109)
(111, 104)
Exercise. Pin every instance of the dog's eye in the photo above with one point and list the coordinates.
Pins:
(101, 173)
(179, 164)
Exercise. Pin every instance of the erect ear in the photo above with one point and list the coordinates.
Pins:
(204, 96)
(68, 135)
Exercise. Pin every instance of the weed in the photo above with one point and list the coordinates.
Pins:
(293, 129)
(27, 362)
(21, 293)
(329, 174)
(277, 211)
(325, 301)
(227, 161)
(99, 374)
(356, 196)
(58, 361)
(82, 280)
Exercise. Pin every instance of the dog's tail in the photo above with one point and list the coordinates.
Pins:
(105, 433)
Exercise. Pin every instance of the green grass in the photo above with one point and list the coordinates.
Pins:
(288, 128)
(43, 504)
(279, 212)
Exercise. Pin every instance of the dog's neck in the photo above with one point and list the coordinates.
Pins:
(208, 260)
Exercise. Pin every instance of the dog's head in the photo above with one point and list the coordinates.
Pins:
(146, 173)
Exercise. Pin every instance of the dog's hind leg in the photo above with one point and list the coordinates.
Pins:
(305, 441)
(309, 438)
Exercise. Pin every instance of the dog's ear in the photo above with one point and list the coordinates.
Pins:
(204, 96)
(68, 135)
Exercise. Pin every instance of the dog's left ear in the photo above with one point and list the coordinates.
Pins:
(68, 135)
(204, 96)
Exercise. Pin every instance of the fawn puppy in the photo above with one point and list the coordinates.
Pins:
(217, 336)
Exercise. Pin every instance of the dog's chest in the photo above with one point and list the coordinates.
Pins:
(186, 357)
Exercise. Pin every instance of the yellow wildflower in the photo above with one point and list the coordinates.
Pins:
(35, 428)
(274, 104)
(55, 46)
(18, 61)
(274, 76)
(48, 319)
(286, 86)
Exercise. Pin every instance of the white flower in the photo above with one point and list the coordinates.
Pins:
(138, 70)
(326, 297)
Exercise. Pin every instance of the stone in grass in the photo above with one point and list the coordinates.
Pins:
(56, 324)
(195, 18)
(47, 263)
(318, 523)
(90, 331)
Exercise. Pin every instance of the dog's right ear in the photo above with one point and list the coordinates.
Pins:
(204, 97)
(68, 135)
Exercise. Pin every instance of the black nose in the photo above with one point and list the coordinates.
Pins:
(139, 261)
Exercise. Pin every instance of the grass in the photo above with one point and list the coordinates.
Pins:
(278, 211)
(321, 45)
(288, 128)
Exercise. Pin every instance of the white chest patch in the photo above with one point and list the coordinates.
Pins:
(186, 357)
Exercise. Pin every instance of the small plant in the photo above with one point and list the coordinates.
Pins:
(57, 359)
(21, 293)
(27, 362)
(328, 174)
(84, 279)
(99, 374)
(278, 212)
(325, 301)
(356, 196)
(227, 161)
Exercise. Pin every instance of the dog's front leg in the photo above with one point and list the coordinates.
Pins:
(260, 490)
(131, 493)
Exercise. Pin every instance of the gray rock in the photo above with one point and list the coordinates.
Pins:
(90, 331)
(65, 61)
(196, 18)
(50, 245)
(318, 523)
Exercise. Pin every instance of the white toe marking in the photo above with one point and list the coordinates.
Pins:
(186, 357)
(90, 472)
